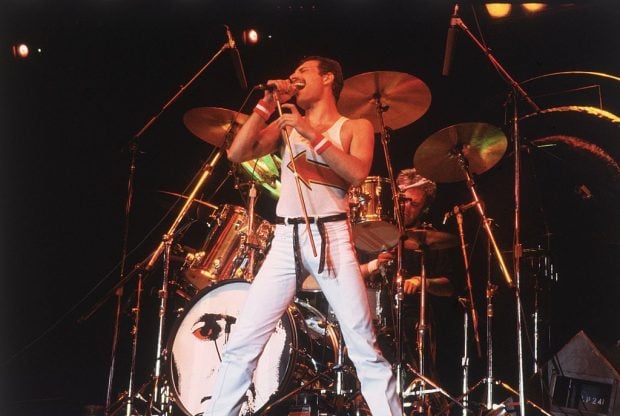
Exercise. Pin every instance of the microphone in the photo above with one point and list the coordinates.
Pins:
(457, 209)
(450, 39)
(297, 84)
(236, 59)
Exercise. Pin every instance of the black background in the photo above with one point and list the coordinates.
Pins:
(106, 67)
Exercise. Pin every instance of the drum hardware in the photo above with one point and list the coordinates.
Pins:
(337, 395)
(418, 387)
(517, 93)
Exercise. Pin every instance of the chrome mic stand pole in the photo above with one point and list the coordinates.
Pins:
(287, 140)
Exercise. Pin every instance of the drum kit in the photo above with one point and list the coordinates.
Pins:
(305, 359)
(304, 365)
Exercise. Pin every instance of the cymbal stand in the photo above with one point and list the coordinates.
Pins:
(517, 92)
(132, 145)
(470, 292)
(287, 141)
(398, 216)
(468, 303)
(164, 247)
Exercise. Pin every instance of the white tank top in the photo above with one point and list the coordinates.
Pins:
(324, 192)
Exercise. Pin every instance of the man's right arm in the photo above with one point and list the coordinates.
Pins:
(256, 138)
(253, 140)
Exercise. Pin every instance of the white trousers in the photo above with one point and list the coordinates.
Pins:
(270, 294)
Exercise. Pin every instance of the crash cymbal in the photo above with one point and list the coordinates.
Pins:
(404, 97)
(431, 239)
(198, 201)
(482, 145)
(266, 171)
(212, 123)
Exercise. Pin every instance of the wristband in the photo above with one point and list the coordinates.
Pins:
(320, 143)
(264, 110)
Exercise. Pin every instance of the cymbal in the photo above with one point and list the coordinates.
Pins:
(431, 239)
(212, 123)
(198, 201)
(482, 145)
(265, 170)
(405, 97)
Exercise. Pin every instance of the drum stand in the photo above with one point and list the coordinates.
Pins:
(334, 374)
(418, 386)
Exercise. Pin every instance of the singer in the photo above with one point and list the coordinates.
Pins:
(331, 153)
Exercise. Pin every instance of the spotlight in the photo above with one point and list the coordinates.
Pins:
(20, 51)
(534, 7)
(498, 10)
(250, 36)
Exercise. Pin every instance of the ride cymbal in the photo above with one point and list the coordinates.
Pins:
(481, 144)
(404, 98)
(211, 124)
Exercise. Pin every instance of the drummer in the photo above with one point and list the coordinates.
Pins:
(417, 195)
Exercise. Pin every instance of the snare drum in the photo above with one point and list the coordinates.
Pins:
(372, 214)
(225, 253)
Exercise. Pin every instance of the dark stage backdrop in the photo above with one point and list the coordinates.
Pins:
(105, 67)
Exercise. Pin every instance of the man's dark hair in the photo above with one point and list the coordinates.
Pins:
(329, 65)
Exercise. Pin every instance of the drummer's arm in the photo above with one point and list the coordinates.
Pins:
(438, 286)
(373, 267)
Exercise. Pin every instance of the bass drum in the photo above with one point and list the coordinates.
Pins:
(301, 345)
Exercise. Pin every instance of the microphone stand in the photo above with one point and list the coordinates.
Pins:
(287, 140)
(118, 291)
(518, 91)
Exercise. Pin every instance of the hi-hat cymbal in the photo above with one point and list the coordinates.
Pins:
(481, 144)
(212, 123)
(431, 239)
(198, 201)
(405, 98)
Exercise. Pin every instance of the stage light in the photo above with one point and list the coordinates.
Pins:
(498, 10)
(534, 7)
(20, 51)
(250, 36)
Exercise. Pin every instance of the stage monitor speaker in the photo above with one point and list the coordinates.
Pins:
(582, 380)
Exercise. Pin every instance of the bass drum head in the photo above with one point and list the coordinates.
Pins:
(199, 338)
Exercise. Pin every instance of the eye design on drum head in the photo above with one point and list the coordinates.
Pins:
(207, 328)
